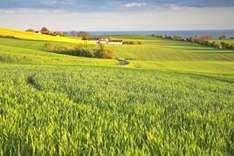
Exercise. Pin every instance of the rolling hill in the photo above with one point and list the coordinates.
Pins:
(36, 36)
(173, 98)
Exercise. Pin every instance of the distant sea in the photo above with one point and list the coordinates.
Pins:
(213, 33)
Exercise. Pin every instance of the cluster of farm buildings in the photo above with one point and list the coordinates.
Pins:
(107, 41)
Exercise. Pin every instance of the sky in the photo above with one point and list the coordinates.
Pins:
(117, 15)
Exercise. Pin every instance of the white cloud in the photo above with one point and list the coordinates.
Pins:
(23, 11)
(134, 5)
(62, 2)
(165, 19)
(178, 7)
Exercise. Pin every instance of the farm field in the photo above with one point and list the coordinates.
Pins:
(152, 54)
(163, 50)
(229, 41)
(4, 32)
(173, 98)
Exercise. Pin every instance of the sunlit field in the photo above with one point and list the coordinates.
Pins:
(36, 36)
(229, 41)
(173, 98)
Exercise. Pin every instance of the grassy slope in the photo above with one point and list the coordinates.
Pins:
(230, 41)
(89, 110)
(34, 52)
(153, 54)
(54, 104)
(34, 36)
(167, 50)
(176, 55)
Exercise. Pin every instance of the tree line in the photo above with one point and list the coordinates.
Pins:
(46, 31)
(205, 40)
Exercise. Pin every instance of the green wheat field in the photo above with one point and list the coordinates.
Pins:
(172, 98)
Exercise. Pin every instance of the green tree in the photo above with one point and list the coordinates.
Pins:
(84, 35)
(44, 30)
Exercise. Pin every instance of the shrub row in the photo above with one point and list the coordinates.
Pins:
(10, 37)
(132, 42)
(202, 40)
(221, 45)
(46, 31)
(100, 52)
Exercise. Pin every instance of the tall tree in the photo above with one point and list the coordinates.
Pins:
(44, 30)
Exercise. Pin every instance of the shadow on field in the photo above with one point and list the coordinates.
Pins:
(220, 78)
(31, 80)
(123, 61)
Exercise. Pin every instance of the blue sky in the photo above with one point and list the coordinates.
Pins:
(118, 14)
(109, 5)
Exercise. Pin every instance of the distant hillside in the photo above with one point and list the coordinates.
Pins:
(5, 32)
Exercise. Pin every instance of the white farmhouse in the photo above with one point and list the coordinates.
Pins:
(115, 42)
(110, 42)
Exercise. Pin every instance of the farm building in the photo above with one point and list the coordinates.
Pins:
(103, 41)
(110, 42)
(93, 39)
(115, 42)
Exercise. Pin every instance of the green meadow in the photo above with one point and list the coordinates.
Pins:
(173, 98)
(229, 41)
